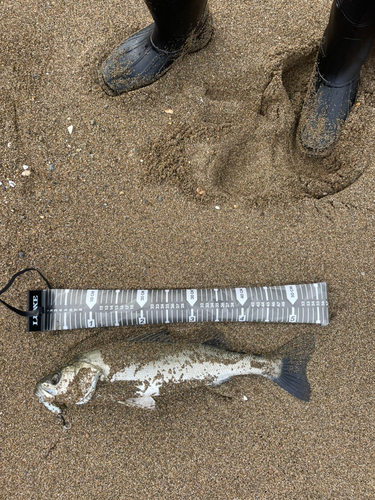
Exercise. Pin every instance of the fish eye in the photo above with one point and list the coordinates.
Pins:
(55, 379)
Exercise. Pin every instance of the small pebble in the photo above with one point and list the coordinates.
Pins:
(200, 191)
(217, 207)
(21, 255)
(26, 173)
(51, 167)
(160, 198)
(12, 184)
(25, 167)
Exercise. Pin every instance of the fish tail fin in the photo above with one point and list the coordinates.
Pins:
(295, 356)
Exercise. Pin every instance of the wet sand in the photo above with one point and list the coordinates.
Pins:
(128, 200)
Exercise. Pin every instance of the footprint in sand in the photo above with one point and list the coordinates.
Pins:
(231, 148)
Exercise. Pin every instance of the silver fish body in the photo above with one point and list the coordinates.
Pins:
(151, 367)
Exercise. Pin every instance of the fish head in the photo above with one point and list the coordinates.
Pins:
(74, 383)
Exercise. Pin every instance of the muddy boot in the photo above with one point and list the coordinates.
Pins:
(180, 27)
(346, 44)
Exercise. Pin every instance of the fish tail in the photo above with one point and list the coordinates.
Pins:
(295, 356)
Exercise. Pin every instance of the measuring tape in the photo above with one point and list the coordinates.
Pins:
(69, 309)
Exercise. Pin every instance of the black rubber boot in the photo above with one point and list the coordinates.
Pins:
(180, 27)
(344, 48)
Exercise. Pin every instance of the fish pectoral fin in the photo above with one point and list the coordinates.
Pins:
(144, 401)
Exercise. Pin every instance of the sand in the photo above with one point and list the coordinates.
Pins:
(115, 204)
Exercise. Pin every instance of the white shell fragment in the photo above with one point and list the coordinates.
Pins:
(26, 173)
(70, 129)
(12, 184)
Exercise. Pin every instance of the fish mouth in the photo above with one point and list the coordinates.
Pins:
(44, 392)
(44, 395)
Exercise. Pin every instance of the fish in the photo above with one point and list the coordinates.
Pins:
(150, 368)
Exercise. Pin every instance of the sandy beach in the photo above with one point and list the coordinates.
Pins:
(195, 181)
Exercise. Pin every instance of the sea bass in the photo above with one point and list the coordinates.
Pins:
(150, 367)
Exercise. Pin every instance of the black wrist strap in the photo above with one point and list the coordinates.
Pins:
(27, 314)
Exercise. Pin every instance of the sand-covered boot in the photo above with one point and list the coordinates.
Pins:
(180, 27)
(345, 46)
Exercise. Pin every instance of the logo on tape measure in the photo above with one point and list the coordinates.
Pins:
(35, 307)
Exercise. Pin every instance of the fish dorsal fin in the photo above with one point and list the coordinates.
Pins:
(217, 341)
(161, 336)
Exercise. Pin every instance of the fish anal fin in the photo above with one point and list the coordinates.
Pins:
(144, 401)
